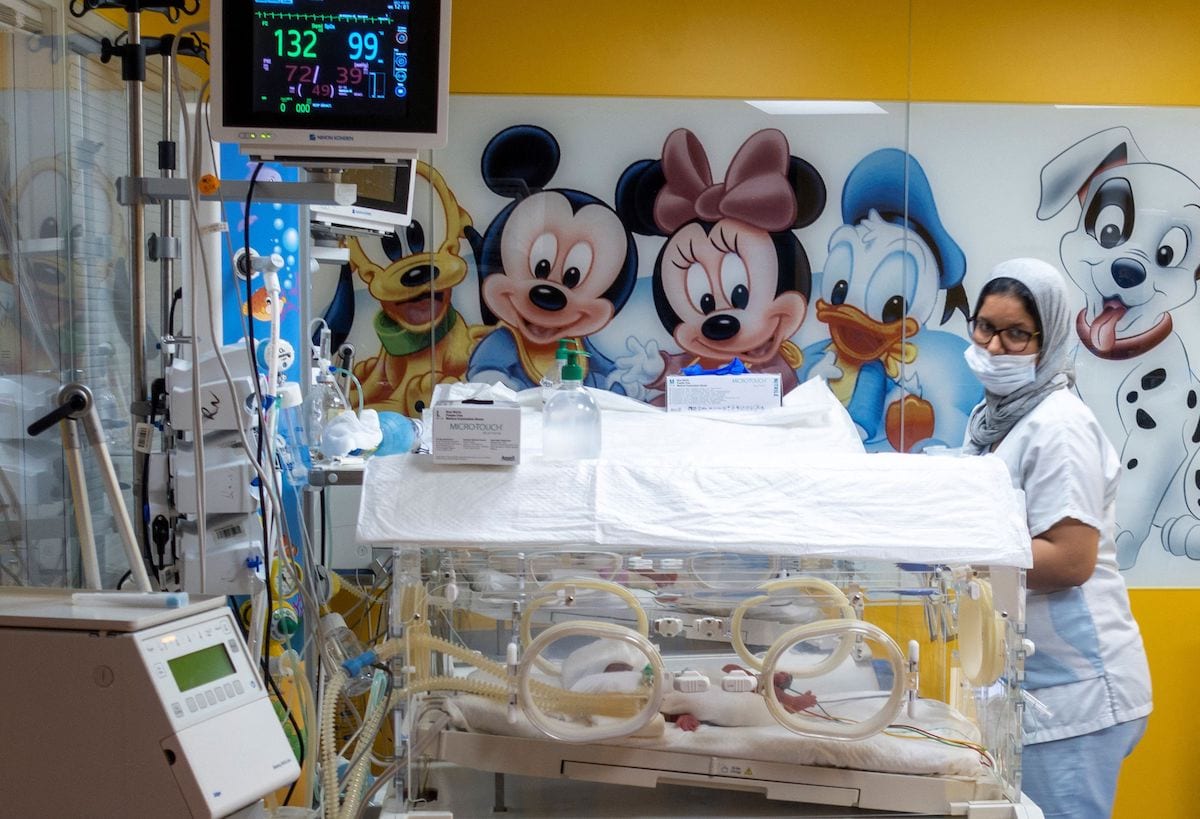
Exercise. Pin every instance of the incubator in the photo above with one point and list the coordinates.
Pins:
(747, 602)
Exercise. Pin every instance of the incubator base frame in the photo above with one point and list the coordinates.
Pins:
(647, 768)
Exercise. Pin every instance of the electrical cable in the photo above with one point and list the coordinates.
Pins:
(267, 482)
(145, 503)
(893, 729)
(305, 586)
(290, 663)
(260, 410)
(194, 359)
(265, 512)
(264, 480)
(295, 726)
(277, 524)
(175, 298)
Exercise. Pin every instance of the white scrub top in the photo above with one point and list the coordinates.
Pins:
(1089, 667)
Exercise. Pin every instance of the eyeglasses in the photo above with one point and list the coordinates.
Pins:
(1013, 339)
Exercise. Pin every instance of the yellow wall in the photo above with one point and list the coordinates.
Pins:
(1076, 51)
(1159, 778)
(708, 48)
(1065, 51)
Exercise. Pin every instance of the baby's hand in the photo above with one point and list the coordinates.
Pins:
(791, 702)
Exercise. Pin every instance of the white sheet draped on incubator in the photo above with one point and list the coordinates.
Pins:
(727, 587)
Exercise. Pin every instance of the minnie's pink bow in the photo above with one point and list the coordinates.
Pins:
(756, 188)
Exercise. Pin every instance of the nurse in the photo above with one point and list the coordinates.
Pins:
(1088, 681)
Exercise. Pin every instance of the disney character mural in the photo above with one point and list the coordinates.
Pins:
(1135, 253)
(731, 280)
(555, 263)
(906, 386)
(423, 340)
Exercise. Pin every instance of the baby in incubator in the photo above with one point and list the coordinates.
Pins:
(694, 698)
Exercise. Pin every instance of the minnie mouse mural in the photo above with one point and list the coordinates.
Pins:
(731, 280)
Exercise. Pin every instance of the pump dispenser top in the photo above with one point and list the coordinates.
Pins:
(563, 351)
(572, 371)
(571, 418)
(551, 380)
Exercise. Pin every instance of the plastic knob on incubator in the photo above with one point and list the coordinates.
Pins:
(738, 681)
(691, 681)
(668, 626)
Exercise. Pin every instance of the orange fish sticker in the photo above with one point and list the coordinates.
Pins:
(260, 304)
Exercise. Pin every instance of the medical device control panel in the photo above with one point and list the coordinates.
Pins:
(146, 711)
(199, 668)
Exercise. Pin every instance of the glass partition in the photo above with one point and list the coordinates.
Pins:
(66, 284)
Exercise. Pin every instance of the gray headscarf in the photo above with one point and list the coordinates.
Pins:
(992, 419)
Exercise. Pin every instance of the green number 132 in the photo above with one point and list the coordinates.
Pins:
(296, 43)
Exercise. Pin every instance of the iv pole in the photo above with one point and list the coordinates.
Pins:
(164, 249)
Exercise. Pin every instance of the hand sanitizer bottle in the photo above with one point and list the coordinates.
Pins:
(571, 418)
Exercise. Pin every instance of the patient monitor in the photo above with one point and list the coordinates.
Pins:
(331, 83)
(113, 709)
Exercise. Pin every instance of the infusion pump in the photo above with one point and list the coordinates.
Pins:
(115, 710)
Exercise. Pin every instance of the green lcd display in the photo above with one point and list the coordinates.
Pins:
(201, 667)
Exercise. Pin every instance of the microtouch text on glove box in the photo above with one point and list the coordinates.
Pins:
(466, 433)
(749, 392)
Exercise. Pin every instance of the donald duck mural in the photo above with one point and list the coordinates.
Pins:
(906, 386)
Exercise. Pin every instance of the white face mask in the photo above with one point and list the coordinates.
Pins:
(1001, 374)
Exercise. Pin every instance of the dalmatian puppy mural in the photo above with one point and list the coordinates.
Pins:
(1181, 535)
(1134, 254)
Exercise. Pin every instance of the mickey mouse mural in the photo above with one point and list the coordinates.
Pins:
(731, 280)
(906, 386)
(555, 263)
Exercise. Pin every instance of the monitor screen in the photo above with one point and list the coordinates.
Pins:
(201, 667)
(328, 74)
(386, 187)
(383, 203)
